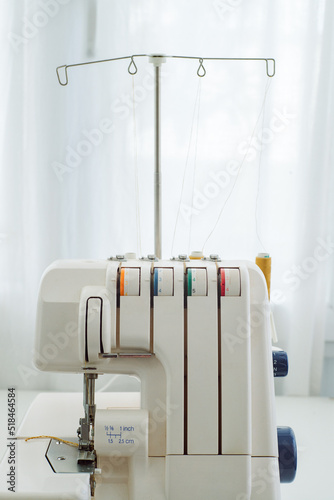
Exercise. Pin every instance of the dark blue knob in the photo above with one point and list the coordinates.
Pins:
(280, 363)
(287, 454)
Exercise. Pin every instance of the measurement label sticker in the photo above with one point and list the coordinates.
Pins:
(120, 435)
(121, 432)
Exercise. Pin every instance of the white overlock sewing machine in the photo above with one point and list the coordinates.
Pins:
(197, 333)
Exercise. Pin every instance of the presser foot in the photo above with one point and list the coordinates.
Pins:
(86, 457)
(67, 459)
(64, 459)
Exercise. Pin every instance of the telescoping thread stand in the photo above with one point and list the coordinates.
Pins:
(157, 60)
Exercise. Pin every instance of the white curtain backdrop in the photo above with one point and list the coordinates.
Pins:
(260, 149)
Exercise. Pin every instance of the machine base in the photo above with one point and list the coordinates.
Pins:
(186, 477)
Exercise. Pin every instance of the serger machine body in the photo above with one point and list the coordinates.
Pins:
(197, 335)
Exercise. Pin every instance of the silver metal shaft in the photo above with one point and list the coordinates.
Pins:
(89, 396)
(87, 423)
(157, 172)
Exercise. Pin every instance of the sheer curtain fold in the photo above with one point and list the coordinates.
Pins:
(68, 154)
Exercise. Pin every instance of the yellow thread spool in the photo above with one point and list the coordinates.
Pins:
(196, 255)
(263, 260)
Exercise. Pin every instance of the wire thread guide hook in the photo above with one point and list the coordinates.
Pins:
(272, 66)
(66, 75)
(201, 70)
(132, 64)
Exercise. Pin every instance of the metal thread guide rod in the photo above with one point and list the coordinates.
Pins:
(157, 60)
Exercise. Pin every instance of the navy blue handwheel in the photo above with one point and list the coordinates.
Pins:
(287, 454)
(280, 363)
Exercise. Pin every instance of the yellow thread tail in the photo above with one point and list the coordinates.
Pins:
(70, 443)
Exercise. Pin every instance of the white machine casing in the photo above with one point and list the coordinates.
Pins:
(205, 425)
(205, 365)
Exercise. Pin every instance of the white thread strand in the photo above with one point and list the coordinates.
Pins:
(109, 383)
(185, 166)
(195, 167)
(237, 176)
(259, 170)
(136, 170)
